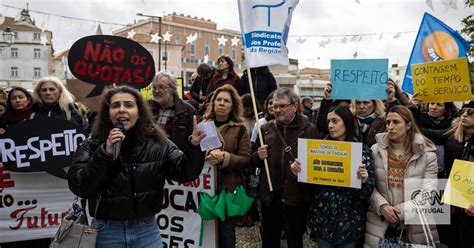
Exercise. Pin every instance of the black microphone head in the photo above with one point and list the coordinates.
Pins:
(119, 125)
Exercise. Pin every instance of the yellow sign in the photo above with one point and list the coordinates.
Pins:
(442, 81)
(328, 162)
(179, 81)
(147, 92)
(459, 190)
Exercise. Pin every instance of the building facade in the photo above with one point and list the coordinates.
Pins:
(30, 55)
(179, 56)
(311, 83)
(397, 73)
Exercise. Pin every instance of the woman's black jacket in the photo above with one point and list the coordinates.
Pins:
(132, 186)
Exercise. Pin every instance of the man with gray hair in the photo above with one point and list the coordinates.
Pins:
(286, 207)
(170, 112)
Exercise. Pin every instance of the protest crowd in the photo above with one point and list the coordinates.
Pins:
(135, 148)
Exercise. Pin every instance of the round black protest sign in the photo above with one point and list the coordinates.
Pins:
(46, 144)
(105, 59)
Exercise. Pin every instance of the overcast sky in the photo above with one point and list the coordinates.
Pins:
(316, 22)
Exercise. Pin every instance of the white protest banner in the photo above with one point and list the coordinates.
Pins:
(34, 192)
(328, 162)
(179, 223)
(32, 205)
(265, 26)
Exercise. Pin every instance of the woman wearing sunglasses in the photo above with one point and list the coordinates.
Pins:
(458, 143)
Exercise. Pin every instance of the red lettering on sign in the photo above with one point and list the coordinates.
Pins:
(92, 51)
(4, 183)
(206, 181)
(20, 215)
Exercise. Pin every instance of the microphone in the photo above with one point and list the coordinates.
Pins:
(118, 145)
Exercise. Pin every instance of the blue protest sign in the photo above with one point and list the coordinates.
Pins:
(359, 78)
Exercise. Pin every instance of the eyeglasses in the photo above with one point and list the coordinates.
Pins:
(160, 87)
(281, 106)
(469, 111)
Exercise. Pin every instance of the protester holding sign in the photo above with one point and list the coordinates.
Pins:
(370, 115)
(19, 103)
(458, 143)
(286, 206)
(130, 188)
(225, 110)
(400, 153)
(52, 99)
(337, 214)
(225, 74)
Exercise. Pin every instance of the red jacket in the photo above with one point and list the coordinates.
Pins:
(217, 81)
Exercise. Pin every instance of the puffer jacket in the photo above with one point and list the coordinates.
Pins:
(39, 110)
(422, 165)
(132, 186)
(279, 161)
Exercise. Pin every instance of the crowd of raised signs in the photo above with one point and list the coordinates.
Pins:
(402, 138)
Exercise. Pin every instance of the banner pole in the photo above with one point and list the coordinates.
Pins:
(258, 127)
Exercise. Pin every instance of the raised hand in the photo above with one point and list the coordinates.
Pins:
(197, 135)
(327, 91)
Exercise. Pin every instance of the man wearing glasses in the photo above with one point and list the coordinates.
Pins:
(286, 207)
(170, 112)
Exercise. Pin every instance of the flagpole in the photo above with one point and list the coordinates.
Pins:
(258, 127)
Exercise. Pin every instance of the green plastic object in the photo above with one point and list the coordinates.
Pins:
(225, 204)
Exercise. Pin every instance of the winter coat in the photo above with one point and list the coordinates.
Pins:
(132, 186)
(182, 121)
(422, 165)
(377, 126)
(198, 88)
(217, 81)
(337, 214)
(424, 120)
(236, 146)
(452, 148)
(39, 110)
(279, 160)
(263, 83)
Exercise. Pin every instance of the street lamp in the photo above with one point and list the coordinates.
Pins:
(159, 33)
(7, 37)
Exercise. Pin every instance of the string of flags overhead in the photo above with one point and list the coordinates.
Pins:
(321, 40)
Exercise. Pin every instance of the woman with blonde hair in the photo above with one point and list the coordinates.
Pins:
(226, 111)
(54, 100)
(401, 153)
(369, 114)
(458, 142)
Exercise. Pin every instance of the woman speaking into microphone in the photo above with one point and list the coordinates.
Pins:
(130, 188)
